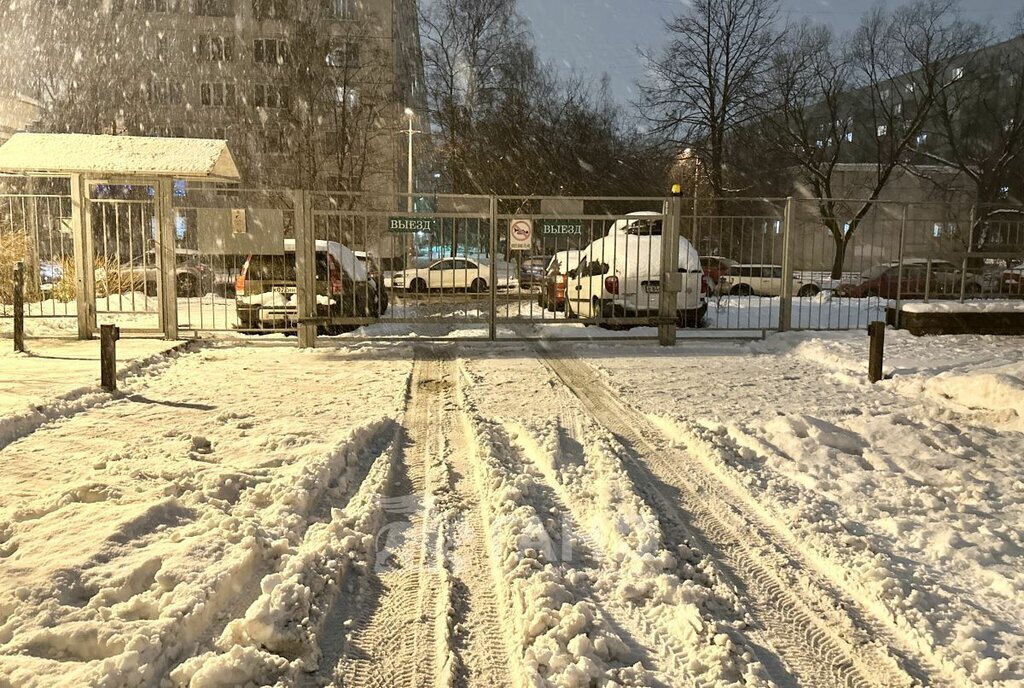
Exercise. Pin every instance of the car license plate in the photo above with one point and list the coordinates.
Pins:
(285, 290)
(653, 287)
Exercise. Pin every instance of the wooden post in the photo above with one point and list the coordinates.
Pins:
(876, 355)
(109, 334)
(19, 307)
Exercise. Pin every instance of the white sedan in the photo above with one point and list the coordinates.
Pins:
(452, 274)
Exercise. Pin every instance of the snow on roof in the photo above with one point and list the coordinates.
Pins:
(136, 156)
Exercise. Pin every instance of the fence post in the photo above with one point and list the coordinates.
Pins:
(671, 278)
(967, 257)
(899, 275)
(166, 259)
(19, 307)
(786, 300)
(305, 269)
(85, 263)
(109, 334)
(928, 280)
(876, 353)
(492, 329)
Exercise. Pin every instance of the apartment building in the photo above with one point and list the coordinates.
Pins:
(308, 93)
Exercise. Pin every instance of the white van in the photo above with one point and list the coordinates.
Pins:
(619, 276)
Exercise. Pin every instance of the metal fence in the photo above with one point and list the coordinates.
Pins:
(258, 262)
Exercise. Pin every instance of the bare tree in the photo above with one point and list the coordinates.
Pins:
(868, 101)
(466, 46)
(706, 80)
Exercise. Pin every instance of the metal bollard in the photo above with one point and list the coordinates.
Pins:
(876, 354)
(109, 334)
(19, 307)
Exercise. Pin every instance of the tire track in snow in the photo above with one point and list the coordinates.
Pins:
(393, 609)
(821, 640)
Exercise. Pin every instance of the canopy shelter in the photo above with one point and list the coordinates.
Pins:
(130, 160)
(118, 156)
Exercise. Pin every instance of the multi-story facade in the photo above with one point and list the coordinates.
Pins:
(308, 93)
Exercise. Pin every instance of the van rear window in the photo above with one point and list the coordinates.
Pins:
(281, 268)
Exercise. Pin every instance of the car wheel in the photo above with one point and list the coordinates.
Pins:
(809, 290)
(741, 290)
(188, 285)
(418, 286)
(478, 286)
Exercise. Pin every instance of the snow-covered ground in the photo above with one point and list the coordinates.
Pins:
(911, 490)
(471, 514)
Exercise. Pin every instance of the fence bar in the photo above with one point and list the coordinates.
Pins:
(671, 278)
(786, 300)
(901, 256)
(166, 259)
(85, 275)
(19, 307)
(305, 269)
(493, 248)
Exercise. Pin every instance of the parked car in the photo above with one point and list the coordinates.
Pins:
(266, 288)
(762, 280)
(451, 274)
(1012, 282)
(194, 277)
(885, 281)
(532, 271)
(715, 267)
(556, 278)
(377, 277)
(618, 276)
(50, 274)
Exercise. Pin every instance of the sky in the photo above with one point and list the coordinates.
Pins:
(597, 36)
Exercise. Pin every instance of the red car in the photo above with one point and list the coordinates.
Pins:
(714, 267)
(552, 291)
(884, 281)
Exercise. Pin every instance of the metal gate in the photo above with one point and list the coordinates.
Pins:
(122, 220)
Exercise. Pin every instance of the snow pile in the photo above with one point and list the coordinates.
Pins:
(278, 635)
(996, 393)
(977, 306)
(141, 527)
(561, 641)
(671, 598)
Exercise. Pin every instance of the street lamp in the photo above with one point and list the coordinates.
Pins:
(411, 114)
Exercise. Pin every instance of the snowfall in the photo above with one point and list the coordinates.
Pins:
(514, 514)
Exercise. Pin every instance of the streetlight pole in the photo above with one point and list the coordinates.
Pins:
(411, 132)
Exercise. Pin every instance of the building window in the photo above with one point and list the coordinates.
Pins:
(159, 5)
(270, 9)
(942, 230)
(958, 73)
(909, 87)
(342, 9)
(214, 8)
(347, 96)
(1004, 192)
(922, 138)
(271, 96)
(849, 137)
(164, 92)
(882, 130)
(215, 48)
(846, 228)
(897, 109)
(217, 94)
(272, 51)
(345, 55)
